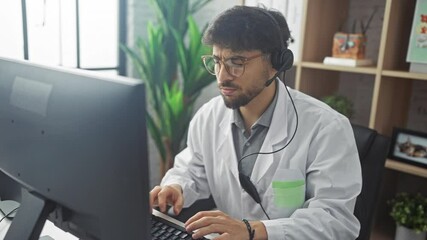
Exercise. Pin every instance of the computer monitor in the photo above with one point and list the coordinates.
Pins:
(76, 143)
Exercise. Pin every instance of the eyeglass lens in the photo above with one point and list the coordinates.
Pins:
(213, 65)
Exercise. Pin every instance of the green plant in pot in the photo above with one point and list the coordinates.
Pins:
(340, 103)
(169, 62)
(409, 211)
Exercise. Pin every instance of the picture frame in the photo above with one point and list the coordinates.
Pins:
(409, 146)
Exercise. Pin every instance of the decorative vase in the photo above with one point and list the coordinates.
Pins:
(404, 233)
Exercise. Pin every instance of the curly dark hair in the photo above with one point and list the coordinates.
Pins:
(244, 28)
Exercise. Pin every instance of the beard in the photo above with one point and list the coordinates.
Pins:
(244, 98)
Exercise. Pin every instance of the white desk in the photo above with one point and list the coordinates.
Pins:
(49, 229)
(56, 233)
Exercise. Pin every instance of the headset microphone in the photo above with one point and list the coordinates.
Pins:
(269, 81)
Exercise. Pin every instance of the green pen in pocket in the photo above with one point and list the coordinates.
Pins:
(288, 194)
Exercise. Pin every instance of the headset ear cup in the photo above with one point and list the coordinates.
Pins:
(287, 59)
(283, 60)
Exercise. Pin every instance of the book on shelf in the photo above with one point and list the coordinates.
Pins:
(417, 51)
(349, 62)
(418, 68)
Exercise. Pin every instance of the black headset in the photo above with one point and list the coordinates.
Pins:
(281, 60)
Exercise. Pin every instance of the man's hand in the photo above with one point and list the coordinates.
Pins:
(167, 195)
(208, 222)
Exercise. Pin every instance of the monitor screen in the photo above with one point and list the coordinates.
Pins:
(75, 143)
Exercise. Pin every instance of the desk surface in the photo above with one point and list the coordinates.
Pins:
(49, 229)
(56, 233)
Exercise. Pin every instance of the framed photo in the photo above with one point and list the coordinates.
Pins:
(409, 146)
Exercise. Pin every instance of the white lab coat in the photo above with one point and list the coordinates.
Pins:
(323, 154)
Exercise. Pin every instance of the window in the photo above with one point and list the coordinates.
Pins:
(11, 40)
(72, 33)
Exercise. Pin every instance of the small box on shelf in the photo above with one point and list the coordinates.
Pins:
(349, 45)
(348, 49)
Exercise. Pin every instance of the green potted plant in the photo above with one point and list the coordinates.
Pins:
(340, 103)
(409, 211)
(169, 62)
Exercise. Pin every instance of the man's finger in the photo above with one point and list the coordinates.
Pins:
(153, 196)
(177, 205)
(201, 214)
(162, 198)
(208, 229)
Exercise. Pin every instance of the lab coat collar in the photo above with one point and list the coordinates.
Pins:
(226, 150)
(279, 122)
(276, 136)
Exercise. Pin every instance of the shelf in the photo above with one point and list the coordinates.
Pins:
(403, 74)
(364, 70)
(406, 168)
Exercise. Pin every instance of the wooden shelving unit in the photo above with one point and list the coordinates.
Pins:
(392, 81)
(406, 168)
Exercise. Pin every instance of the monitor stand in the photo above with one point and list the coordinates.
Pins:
(30, 218)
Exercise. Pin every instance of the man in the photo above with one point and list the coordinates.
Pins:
(307, 188)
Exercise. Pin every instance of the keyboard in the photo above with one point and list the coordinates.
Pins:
(162, 229)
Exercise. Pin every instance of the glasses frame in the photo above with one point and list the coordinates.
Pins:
(221, 61)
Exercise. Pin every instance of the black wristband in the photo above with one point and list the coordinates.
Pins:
(250, 230)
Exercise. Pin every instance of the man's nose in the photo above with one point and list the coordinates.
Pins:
(223, 75)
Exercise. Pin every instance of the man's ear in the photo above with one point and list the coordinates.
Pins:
(273, 70)
(270, 69)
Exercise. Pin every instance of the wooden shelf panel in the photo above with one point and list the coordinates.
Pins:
(406, 168)
(296, 64)
(379, 234)
(321, 66)
(405, 74)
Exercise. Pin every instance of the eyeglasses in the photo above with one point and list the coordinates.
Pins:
(235, 66)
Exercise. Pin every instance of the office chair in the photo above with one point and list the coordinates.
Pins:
(373, 149)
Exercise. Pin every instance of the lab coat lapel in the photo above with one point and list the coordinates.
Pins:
(275, 138)
(226, 151)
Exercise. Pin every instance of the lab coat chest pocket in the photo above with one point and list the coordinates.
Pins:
(286, 192)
